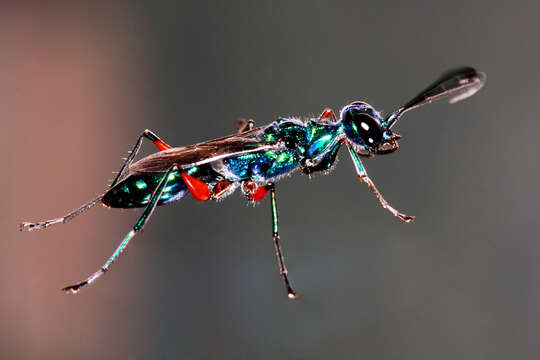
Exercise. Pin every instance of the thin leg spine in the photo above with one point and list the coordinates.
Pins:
(61, 220)
(128, 160)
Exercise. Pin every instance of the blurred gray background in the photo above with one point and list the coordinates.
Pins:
(78, 84)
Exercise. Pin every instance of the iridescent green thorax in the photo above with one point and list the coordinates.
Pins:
(320, 137)
(299, 142)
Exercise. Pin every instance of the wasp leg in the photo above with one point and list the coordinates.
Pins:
(61, 220)
(275, 235)
(243, 125)
(152, 203)
(254, 192)
(257, 193)
(328, 113)
(198, 189)
(222, 189)
(363, 177)
(150, 136)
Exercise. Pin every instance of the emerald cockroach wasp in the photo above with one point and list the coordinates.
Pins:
(253, 159)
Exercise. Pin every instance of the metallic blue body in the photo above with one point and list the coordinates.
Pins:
(311, 145)
(302, 142)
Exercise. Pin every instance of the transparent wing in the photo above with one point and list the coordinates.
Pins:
(454, 85)
(205, 152)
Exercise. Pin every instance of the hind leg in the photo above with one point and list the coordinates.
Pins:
(61, 220)
(138, 227)
(146, 134)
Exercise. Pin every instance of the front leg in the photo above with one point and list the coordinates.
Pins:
(363, 176)
(324, 164)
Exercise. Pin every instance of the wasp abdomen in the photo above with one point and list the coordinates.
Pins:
(135, 190)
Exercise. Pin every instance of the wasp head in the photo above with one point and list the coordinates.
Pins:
(365, 129)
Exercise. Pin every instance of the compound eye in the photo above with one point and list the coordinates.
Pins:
(369, 130)
(363, 126)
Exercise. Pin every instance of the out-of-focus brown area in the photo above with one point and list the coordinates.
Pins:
(79, 83)
(67, 75)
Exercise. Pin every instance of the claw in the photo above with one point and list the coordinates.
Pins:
(407, 218)
(73, 289)
(40, 225)
(292, 295)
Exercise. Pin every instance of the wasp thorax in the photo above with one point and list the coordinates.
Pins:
(361, 126)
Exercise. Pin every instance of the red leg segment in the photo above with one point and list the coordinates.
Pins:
(198, 189)
(328, 113)
(219, 189)
(254, 192)
(161, 145)
(156, 140)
